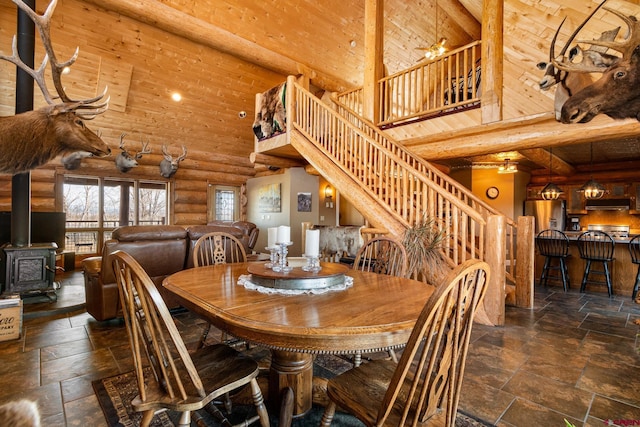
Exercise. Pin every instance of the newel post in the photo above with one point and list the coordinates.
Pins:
(496, 256)
(525, 258)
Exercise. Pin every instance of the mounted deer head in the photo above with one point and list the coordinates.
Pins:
(169, 165)
(125, 161)
(617, 92)
(573, 82)
(32, 138)
(74, 160)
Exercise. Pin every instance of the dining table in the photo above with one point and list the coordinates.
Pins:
(374, 312)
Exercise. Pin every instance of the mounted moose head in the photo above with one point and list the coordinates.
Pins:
(125, 161)
(617, 92)
(169, 165)
(32, 138)
(571, 83)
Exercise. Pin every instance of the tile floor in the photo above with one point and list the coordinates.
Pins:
(574, 357)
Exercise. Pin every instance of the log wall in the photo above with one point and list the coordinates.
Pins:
(141, 66)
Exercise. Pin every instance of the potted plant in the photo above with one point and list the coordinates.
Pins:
(424, 245)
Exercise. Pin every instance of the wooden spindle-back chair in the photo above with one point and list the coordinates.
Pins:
(424, 386)
(177, 380)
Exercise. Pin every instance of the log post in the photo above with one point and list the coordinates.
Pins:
(494, 299)
(525, 253)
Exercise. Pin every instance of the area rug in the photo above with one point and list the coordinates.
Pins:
(115, 394)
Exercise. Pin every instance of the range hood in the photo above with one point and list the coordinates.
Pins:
(608, 205)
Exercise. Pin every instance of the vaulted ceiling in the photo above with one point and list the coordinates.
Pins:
(219, 53)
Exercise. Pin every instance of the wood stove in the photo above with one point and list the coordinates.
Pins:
(29, 268)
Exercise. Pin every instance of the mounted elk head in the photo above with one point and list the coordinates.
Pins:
(617, 92)
(570, 83)
(125, 161)
(169, 165)
(32, 138)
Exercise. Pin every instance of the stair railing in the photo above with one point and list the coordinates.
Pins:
(401, 182)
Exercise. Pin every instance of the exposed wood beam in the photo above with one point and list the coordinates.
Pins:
(541, 157)
(279, 162)
(166, 18)
(519, 134)
(461, 16)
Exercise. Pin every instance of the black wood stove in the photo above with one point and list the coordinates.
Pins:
(28, 269)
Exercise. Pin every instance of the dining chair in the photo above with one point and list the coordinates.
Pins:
(634, 252)
(382, 255)
(177, 381)
(596, 246)
(218, 247)
(215, 248)
(424, 386)
(553, 245)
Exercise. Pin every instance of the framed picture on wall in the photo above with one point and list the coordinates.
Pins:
(269, 198)
(304, 202)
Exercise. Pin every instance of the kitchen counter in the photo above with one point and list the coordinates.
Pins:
(623, 271)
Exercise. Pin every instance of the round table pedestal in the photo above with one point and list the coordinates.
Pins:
(295, 371)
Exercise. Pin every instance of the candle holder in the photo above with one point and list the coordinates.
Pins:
(313, 263)
(273, 256)
(281, 266)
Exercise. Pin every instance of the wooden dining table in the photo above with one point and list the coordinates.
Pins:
(376, 312)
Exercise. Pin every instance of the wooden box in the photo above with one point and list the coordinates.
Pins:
(10, 317)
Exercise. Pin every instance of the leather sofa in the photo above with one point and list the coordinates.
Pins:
(161, 250)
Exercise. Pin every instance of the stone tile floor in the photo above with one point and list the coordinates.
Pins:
(574, 356)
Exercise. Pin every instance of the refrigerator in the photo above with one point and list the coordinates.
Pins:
(547, 213)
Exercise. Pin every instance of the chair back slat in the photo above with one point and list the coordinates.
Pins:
(431, 367)
(154, 336)
(218, 248)
(596, 245)
(552, 243)
(382, 255)
(634, 249)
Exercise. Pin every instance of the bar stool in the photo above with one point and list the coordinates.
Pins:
(554, 245)
(596, 246)
(634, 250)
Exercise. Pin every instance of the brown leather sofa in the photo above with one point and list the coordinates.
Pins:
(160, 249)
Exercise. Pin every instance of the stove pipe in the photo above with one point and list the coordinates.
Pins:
(21, 183)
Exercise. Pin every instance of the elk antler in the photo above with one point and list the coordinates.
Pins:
(631, 40)
(42, 23)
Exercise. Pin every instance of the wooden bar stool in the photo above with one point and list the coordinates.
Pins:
(596, 246)
(554, 245)
(634, 250)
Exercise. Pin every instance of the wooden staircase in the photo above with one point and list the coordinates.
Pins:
(394, 189)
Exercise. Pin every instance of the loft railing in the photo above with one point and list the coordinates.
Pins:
(401, 182)
(444, 85)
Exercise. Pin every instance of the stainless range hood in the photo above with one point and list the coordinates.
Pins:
(608, 205)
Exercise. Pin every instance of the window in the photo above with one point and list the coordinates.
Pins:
(223, 203)
(96, 206)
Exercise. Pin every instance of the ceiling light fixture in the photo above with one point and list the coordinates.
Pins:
(551, 191)
(592, 189)
(438, 48)
(508, 167)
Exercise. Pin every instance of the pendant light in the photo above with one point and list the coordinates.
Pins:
(551, 191)
(592, 189)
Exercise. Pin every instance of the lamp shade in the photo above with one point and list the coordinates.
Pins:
(551, 192)
(593, 190)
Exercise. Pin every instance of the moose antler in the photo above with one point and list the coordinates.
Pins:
(43, 24)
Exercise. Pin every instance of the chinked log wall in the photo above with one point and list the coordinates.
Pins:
(189, 183)
(140, 65)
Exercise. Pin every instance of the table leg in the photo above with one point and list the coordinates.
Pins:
(295, 371)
